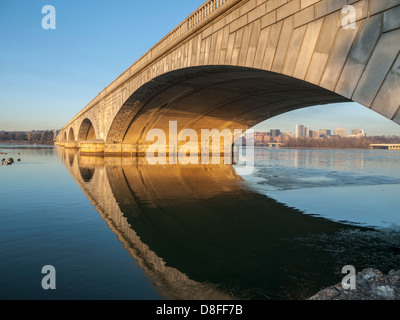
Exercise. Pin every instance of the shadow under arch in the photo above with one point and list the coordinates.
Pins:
(86, 131)
(219, 97)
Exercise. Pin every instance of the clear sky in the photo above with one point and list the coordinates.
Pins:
(48, 76)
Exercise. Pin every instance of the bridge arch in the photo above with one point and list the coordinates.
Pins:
(212, 97)
(65, 137)
(71, 135)
(86, 131)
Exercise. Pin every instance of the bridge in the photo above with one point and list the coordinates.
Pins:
(234, 63)
(387, 146)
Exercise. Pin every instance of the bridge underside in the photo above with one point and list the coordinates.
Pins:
(198, 98)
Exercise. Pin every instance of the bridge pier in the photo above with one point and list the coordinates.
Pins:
(125, 149)
(91, 146)
(71, 144)
(195, 154)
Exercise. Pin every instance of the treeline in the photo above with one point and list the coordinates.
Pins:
(36, 136)
(337, 142)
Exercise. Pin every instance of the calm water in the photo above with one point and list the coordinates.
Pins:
(117, 228)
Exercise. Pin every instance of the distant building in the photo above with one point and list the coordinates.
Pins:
(289, 134)
(328, 132)
(275, 132)
(282, 138)
(340, 132)
(299, 131)
(259, 137)
(321, 134)
(358, 133)
(306, 131)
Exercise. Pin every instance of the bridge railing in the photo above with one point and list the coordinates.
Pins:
(204, 11)
(189, 23)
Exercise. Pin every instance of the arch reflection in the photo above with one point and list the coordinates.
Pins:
(199, 233)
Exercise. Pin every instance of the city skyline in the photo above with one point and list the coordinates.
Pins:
(304, 131)
(345, 115)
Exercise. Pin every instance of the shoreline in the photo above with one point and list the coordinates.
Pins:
(25, 143)
(316, 148)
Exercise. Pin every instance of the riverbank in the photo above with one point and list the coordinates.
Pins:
(23, 143)
(371, 284)
(332, 142)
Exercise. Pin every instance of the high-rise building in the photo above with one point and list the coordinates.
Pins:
(306, 131)
(299, 130)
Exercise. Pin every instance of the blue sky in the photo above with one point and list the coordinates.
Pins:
(48, 76)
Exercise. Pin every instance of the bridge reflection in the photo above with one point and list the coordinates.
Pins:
(199, 233)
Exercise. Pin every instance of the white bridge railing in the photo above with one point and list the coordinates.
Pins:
(204, 11)
(195, 18)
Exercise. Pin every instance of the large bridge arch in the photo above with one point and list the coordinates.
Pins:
(212, 97)
(290, 39)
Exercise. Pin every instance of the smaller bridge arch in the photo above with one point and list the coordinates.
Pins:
(71, 135)
(86, 131)
(65, 137)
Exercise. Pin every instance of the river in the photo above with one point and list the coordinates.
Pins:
(119, 228)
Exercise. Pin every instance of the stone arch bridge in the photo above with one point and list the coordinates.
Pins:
(234, 63)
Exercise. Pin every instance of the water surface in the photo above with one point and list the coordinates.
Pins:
(118, 228)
